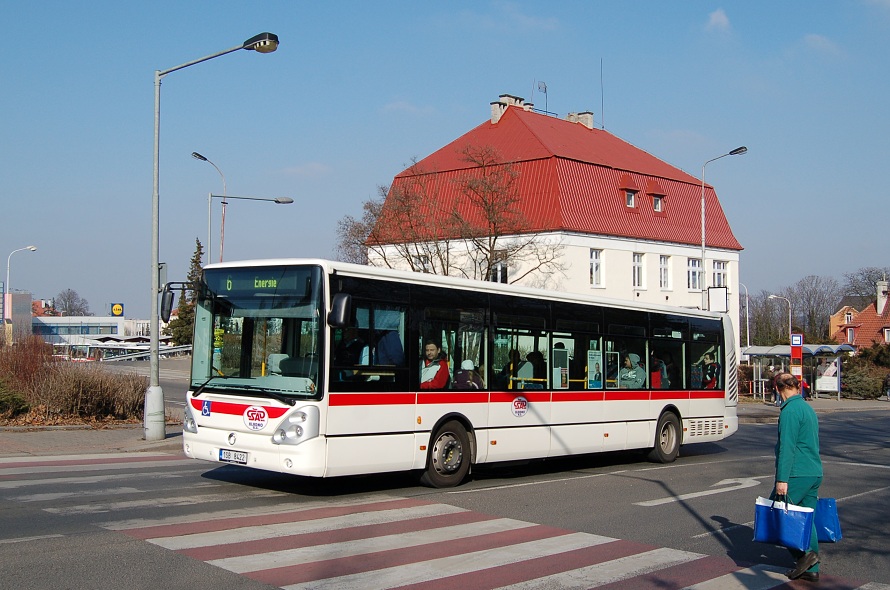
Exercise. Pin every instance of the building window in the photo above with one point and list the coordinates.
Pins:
(498, 272)
(719, 274)
(630, 198)
(694, 274)
(657, 203)
(422, 263)
(596, 268)
(851, 335)
(887, 335)
(848, 317)
(638, 270)
(664, 272)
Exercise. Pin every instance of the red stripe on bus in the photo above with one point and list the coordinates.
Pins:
(457, 397)
(578, 396)
(371, 399)
(217, 407)
(531, 395)
(707, 394)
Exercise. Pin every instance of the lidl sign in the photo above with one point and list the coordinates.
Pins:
(117, 309)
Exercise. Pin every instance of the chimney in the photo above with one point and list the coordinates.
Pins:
(585, 118)
(882, 296)
(498, 108)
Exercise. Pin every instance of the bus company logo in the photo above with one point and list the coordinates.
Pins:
(520, 406)
(256, 418)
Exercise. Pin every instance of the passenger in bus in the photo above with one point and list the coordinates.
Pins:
(351, 350)
(632, 375)
(538, 375)
(508, 374)
(433, 367)
(468, 377)
(658, 374)
(710, 371)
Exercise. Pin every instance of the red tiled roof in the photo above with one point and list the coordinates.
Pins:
(571, 179)
(868, 326)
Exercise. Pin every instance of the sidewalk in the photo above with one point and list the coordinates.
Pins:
(61, 440)
(74, 440)
(751, 412)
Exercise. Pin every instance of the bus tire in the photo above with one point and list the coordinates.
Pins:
(667, 439)
(448, 461)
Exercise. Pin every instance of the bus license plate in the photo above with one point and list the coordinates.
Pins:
(230, 456)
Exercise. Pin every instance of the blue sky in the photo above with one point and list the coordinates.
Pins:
(357, 89)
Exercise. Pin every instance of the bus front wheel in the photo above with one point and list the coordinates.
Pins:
(449, 457)
(667, 439)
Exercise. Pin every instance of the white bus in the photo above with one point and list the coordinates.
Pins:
(314, 368)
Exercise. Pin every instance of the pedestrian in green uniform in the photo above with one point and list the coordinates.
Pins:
(798, 466)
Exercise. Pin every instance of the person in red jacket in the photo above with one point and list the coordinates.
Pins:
(433, 367)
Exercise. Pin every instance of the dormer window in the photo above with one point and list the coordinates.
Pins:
(630, 198)
(657, 203)
(851, 335)
(887, 335)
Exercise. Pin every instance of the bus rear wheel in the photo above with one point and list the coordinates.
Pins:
(449, 456)
(667, 439)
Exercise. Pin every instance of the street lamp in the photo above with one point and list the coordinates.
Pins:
(154, 395)
(704, 283)
(7, 301)
(198, 156)
(788, 301)
(222, 231)
(747, 318)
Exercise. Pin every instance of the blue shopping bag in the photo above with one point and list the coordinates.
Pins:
(828, 526)
(782, 524)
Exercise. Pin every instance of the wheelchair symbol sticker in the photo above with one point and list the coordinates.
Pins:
(205, 409)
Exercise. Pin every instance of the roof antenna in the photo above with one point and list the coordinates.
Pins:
(542, 87)
(602, 99)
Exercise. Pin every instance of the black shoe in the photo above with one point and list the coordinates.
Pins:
(809, 577)
(808, 560)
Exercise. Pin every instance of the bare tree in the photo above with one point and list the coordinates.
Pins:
(861, 283)
(470, 236)
(815, 299)
(69, 303)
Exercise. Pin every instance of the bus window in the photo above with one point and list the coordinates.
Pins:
(371, 348)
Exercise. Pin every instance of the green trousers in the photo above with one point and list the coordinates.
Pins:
(804, 491)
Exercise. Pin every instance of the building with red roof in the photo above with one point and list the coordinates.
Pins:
(628, 223)
(870, 326)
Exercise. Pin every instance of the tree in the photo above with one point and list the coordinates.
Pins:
(69, 303)
(483, 229)
(180, 328)
(861, 283)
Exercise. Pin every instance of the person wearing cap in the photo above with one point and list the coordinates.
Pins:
(632, 375)
(467, 377)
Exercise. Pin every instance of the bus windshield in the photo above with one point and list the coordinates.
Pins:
(256, 331)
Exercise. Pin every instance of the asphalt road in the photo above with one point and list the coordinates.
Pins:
(137, 520)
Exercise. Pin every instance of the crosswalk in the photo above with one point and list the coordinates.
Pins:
(371, 541)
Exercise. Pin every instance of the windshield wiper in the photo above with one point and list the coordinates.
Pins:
(276, 396)
(201, 387)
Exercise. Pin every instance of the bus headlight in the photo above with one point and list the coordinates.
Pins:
(301, 425)
(188, 422)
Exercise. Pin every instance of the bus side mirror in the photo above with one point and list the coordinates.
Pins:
(341, 309)
(166, 304)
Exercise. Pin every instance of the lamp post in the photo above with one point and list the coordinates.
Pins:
(198, 156)
(154, 395)
(704, 283)
(222, 231)
(747, 318)
(788, 301)
(7, 293)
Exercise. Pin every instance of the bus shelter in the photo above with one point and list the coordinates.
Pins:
(821, 366)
